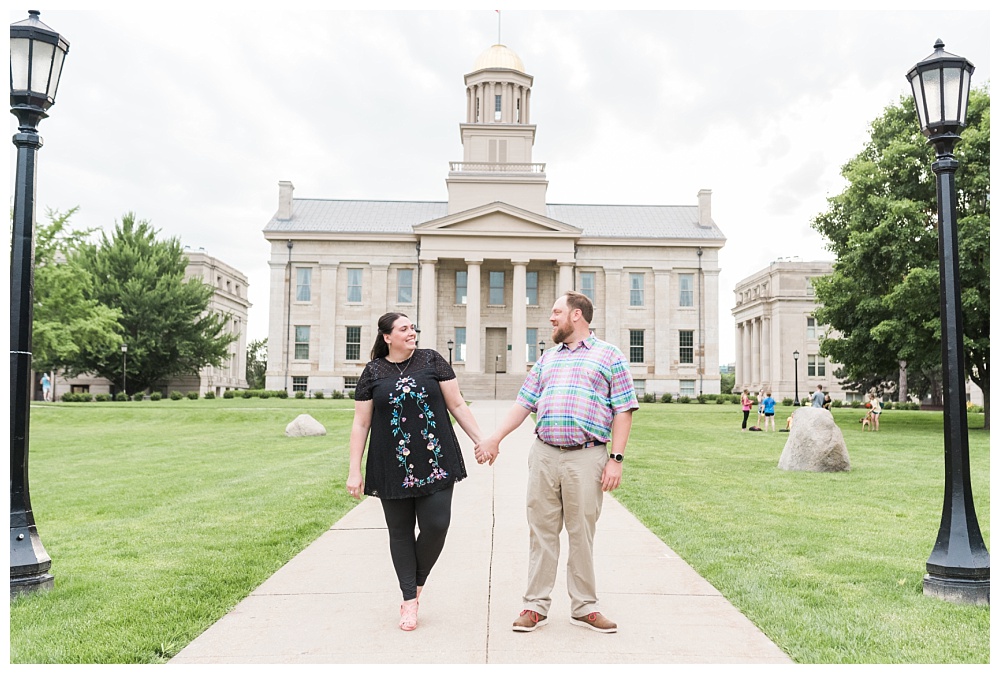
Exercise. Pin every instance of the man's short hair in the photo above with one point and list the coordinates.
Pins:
(819, 387)
(575, 300)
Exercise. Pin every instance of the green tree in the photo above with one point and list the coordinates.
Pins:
(167, 325)
(256, 363)
(882, 299)
(67, 320)
(727, 382)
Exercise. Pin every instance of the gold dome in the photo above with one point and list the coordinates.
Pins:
(498, 56)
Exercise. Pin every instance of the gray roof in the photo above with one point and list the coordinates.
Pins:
(399, 217)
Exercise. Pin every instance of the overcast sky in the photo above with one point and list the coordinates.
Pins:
(190, 118)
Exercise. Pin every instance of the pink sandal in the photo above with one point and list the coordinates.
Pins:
(408, 616)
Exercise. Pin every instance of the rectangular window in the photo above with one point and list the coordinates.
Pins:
(588, 284)
(687, 290)
(639, 385)
(301, 342)
(636, 297)
(809, 286)
(350, 383)
(687, 346)
(810, 327)
(496, 110)
(303, 284)
(817, 366)
(531, 281)
(459, 345)
(687, 387)
(353, 342)
(404, 286)
(461, 287)
(354, 285)
(496, 287)
(300, 384)
(637, 346)
(531, 335)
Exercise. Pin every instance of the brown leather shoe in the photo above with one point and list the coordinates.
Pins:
(529, 621)
(596, 622)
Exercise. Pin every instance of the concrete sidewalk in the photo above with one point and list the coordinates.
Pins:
(338, 600)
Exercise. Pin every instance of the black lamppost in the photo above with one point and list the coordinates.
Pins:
(958, 569)
(795, 355)
(451, 345)
(124, 368)
(36, 60)
(541, 347)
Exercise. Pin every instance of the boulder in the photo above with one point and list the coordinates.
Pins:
(815, 443)
(304, 425)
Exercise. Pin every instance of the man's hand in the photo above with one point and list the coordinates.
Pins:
(611, 479)
(487, 450)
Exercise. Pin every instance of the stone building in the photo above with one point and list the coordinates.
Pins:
(774, 316)
(479, 272)
(230, 297)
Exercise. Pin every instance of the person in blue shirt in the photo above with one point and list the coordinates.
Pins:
(769, 411)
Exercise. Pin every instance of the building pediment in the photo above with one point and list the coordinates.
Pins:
(497, 219)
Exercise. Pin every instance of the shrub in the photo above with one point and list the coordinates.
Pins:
(229, 393)
(247, 393)
(155, 395)
(701, 398)
(720, 400)
(855, 404)
(350, 394)
(264, 395)
(337, 395)
(666, 398)
(121, 396)
(176, 395)
(139, 396)
(84, 397)
(837, 403)
(787, 402)
(193, 395)
(684, 399)
(648, 398)
(299, 395)
(103, 397)
(68, 397)
(318, 395)
(209, 395)
(280, 394)
(806, 402)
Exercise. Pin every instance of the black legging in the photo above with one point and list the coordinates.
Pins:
(413, 556)
(746, 415)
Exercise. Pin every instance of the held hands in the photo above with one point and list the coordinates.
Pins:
(487, 451)
(355, 485)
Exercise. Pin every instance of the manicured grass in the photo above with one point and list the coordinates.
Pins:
(161, 516)
(829, 566)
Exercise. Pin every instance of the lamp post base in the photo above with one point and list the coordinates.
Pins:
(957, 590)
(29, 584)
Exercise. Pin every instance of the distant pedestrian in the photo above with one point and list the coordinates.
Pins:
(746, 403)
(46, 387)
(769, 411)
(401, 407)
(876, 409)
(760, 408)
(818, 398)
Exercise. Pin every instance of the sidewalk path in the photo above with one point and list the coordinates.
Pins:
(338, 600)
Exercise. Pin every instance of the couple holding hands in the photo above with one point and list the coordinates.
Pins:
(582, 394)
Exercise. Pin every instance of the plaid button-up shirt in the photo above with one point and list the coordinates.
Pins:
(576, 393)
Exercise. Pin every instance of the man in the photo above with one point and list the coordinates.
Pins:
(46, 387)
(818, 397)
(583, 397)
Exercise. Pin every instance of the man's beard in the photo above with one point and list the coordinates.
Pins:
(561, 333)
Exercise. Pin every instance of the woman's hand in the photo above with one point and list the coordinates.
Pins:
(355, 484)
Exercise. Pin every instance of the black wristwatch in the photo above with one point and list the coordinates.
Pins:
(617, 457)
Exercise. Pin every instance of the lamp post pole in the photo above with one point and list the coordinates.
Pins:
(958, 569)
(795, 355)
(124, 368)
(541, 348)
(36, 58)
(451, 345)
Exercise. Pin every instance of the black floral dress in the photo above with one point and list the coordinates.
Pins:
(412, 447)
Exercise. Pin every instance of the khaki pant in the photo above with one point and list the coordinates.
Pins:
(564, 489)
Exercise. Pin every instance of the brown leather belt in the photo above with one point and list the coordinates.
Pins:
(568, 448)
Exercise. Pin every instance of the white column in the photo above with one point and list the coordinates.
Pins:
(519, 317)
(612, 302)
(330, 338)
(566, 280)
(765, 353)
(755, 352)
(380, 291)
(739, 357)
(428, 304)
(661, 319)
(473, 314)
(276, 333)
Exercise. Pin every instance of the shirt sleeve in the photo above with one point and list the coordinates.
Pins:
(622, 390)
(366, 382)
(442, 370)
(531, 389)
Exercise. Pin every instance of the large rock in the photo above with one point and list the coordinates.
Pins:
(815, 443)
(304, 425)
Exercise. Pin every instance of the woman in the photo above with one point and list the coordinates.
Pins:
(876, 412)
(769, 404)
(402, 399)
(746, 403)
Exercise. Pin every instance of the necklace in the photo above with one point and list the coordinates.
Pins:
(398, 369)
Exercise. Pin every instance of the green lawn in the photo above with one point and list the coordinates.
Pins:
(161, 516)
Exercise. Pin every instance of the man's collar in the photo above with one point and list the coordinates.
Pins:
(588, 342)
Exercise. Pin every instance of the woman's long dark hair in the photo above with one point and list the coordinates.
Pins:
(385, 322)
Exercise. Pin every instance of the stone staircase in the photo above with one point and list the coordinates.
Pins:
(484, 387)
